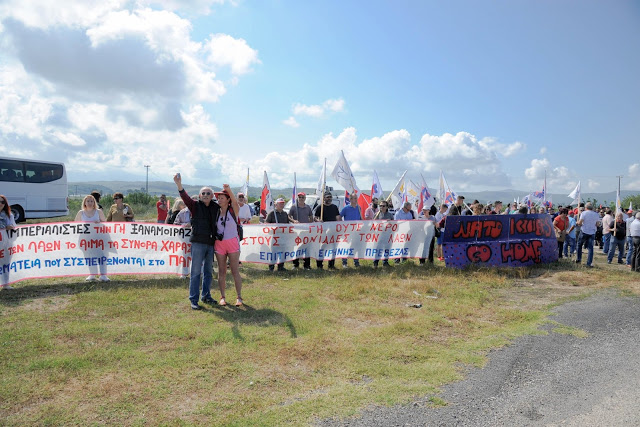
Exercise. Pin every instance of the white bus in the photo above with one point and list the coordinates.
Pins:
(35, 189)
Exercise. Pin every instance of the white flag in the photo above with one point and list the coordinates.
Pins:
(322, 182)
(376, 187)
(413, 193)
(575, 194)
(343, 175)
(446, 195)
(266, 201)
(397, 194)
(618, 203)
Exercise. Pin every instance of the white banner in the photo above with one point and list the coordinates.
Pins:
(80, 249)
(274, 243)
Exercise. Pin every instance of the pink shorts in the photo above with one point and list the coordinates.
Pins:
(229, 246)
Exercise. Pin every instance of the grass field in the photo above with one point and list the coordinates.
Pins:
(308, 345)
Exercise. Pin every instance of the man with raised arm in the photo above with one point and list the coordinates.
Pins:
(204, 215)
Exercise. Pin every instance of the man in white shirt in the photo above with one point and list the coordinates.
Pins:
(588, 220)
(606, 230)
(245, 211)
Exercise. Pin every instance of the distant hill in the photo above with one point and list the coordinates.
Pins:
(169, 188)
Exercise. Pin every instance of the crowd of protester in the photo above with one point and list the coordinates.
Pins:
(216, 218)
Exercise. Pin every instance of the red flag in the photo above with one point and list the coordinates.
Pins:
(364, 201)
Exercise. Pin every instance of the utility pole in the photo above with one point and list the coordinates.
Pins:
(619, 197)
(147, 187)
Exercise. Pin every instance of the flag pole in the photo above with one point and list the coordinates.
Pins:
(324, 185)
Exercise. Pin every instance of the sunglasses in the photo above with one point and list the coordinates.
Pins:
(3, 202)
(116, 198)
(206, 193)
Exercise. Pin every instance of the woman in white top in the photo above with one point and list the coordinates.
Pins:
(91, 213)
(7, 220)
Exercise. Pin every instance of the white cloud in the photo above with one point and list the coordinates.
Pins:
(224, 50)
(291, 121)
(308, 110)
(113, 85)
(335, 105)
(467, 163)
(319, 110)
(632, 180)
(558, 178)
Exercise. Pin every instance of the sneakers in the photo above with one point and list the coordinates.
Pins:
(104, 278)
(91, 278)
(11, 287)
(195, 306)
(209, 301)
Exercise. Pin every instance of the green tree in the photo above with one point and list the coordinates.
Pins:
(635, 202)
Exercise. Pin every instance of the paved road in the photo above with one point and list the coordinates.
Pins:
(552, 380)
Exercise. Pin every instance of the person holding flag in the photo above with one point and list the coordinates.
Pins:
(278, 216)
(327, 212)
(266, 200)
(351, 212)
(300, 213)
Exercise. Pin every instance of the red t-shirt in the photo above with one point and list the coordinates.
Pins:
(560, 224)
(162, 213)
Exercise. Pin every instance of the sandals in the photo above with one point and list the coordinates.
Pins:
(222, 302)
(239, 302)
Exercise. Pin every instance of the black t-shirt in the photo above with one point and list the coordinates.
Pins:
(329, 213)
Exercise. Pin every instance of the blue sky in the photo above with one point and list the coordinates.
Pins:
(492, 93)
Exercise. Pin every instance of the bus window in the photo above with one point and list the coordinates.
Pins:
(42, 172)
(11, 171)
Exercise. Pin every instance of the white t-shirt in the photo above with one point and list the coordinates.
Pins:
(244, 214)
(605, 224)
(589, 218)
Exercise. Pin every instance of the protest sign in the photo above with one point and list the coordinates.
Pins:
(79, 249)
(499, 240)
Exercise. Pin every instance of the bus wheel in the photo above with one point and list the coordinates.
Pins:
(18, 213)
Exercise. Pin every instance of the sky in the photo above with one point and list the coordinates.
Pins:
(493, 93)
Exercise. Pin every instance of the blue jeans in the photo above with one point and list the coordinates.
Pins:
(201, 265)
(588, 240)
(569, 242)
(629, 249)
(619, 243)
(606, 239)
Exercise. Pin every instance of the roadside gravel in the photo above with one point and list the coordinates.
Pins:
(551, 380)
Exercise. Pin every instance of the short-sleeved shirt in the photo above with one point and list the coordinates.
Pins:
(561, 224)
(589, 218)
(301, 214)
(572, 227)
(244, 214)
(370, 213)
(330, 213)
(351, 213)
(162, 213)
(276, 217)
(401, 214)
